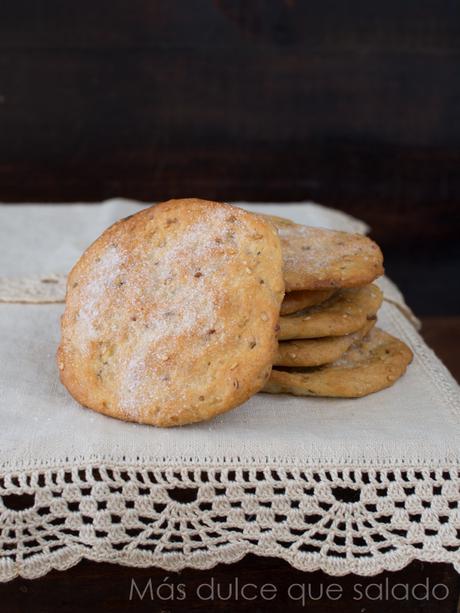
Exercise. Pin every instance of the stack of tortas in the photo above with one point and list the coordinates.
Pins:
(178, 313)
(328, 342)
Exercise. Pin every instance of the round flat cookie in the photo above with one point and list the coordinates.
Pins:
(171, 315)
(316, 258)
(373, 364)
(318, 351)
(303, 299)
(345, 312)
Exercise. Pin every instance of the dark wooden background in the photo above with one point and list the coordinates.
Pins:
(352, 104)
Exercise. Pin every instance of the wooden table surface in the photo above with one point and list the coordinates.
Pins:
(104, 587)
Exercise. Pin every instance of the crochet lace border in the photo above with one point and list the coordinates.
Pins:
(339, 520)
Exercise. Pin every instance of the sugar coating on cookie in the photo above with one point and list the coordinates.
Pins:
(171, 315)
(317, 258)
